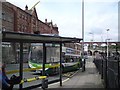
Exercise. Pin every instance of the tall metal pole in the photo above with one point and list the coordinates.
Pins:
(101, 41)
(106, 80)
(21, 64)
(107, 49)
(107, 44)
(44, 58)
(82, 26)
(83, 65)
(60, 64)
(43, 66)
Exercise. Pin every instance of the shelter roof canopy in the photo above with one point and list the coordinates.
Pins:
(36, 38)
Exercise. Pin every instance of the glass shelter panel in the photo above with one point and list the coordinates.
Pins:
(10, 59)
(53, 54)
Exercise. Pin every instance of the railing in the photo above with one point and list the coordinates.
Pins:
(109, 70)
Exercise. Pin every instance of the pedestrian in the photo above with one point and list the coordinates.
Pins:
(6, 82)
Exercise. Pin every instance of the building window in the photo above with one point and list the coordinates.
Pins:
(3, 29)
(20, 15)
(20, 27)
(26, 18)
(3, 16)
(0, 16)
(25, 28)
(10, 19)
(23, 16)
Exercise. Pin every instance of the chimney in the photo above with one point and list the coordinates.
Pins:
(26, 7)
(45, 20)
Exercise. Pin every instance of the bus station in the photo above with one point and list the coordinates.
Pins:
(30, 38)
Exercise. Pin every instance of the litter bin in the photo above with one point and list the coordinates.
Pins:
(44, 83)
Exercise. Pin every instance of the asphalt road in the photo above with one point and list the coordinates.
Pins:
(33, 74)
(27, 75)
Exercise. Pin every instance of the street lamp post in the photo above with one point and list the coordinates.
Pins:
(107, 44)
(101, 41)
(83, 60)
(106, 83)
(83, 26)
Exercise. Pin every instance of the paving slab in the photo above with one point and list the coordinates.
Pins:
(88, 79)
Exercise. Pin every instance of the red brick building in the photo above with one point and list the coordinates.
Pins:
(18, 20)
(22, 21)
(44, 28)
(7, 18)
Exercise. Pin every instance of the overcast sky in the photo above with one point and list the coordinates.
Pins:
(67, 14)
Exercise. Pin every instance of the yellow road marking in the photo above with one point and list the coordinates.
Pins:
(33, 79)
(31, 69)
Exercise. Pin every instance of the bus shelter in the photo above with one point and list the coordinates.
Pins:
(37, 38)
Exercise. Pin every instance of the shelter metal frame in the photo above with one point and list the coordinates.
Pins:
(21, 38)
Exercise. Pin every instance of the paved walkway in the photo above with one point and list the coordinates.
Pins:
(88, 79)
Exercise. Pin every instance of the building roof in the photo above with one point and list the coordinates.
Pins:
(36, 38)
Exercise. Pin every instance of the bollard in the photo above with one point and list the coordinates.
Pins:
(83, 65)
(44, 84)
